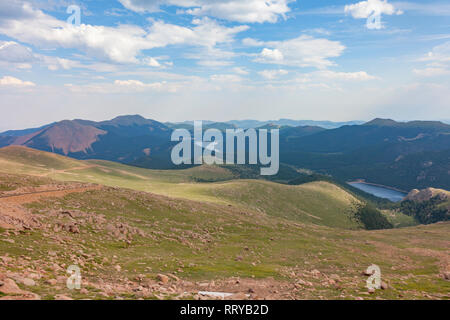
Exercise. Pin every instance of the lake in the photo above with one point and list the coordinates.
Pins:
(380, 192)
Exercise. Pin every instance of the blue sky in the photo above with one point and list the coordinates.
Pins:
(175, 60)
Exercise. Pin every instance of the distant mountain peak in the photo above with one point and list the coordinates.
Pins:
(129, 120)
(129, 117)
(381, 122)
(434, 125)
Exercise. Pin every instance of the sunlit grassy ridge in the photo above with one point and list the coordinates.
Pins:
(317, 202)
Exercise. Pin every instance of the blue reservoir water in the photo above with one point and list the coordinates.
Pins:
(380, 192)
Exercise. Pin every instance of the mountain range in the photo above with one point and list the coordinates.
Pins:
(404, 155)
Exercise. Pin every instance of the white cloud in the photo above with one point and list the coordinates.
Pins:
(124, 86)
(432, 8)
(439, 54)
(13, 52)
(226, 78)
(437, 61)
(121, 44)
(139, 84)
(304, 51)
(356, 76)
(15, 55)
(364, 9)
(372, 9)
(272, 74)
(432, 72)
(274, 55)
(240, 71)
(246, 11)
(152, 62)
(14, 82)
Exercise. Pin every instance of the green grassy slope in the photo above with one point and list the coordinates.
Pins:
(320, 203)
(205, 242)
(24, 160)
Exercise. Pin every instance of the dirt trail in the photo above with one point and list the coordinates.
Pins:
(53, 171)
(14, 216)
(33, 196)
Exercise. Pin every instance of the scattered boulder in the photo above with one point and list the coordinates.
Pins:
(162, 278)
(28, 282)
(366, 273)
(51, 282)
(315, 273)
(8, 286)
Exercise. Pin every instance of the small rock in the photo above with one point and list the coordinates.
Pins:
(51, 282)
(315, 272)
(162, 278)
(10, 287)
(384, 286)
(174, 277)
(118, 268)
(365, 273)
(28, 282)
(446, 275)
(371, 291)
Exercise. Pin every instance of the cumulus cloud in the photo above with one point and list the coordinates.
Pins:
(15, 55)
(371, 8)
(9, 81)
(272, 74)
(121, 44)
(246, 11)
(364, 9)
(274, 55)
(13, 52)
(304, 51)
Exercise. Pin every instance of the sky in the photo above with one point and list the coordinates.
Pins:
(177, 60)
